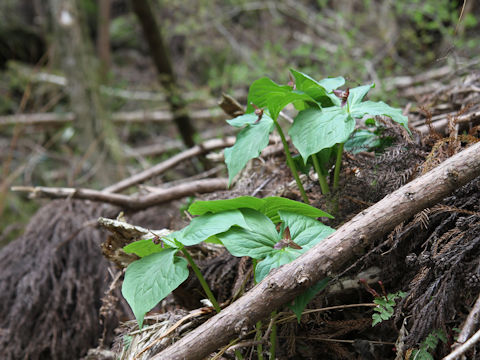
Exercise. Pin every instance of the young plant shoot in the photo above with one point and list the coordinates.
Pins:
(246, 226)
(325, 121)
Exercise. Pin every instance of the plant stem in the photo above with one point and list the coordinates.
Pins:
(200, 277)
(321, 179)
(291, 163)
(258, 337)
(273, 337)
(338, 165)
(238, 355)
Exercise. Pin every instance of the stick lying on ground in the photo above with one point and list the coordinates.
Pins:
(130, 202)
(45, 119)
(203, 148)
(328, 257)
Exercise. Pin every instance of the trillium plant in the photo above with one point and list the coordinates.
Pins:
(325, 122)
(273, 231)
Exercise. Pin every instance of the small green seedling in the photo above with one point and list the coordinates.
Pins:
(246, 226)
(429, 345)
(385, 306)
(325, 122)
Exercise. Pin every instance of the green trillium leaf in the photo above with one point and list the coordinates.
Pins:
(274, 259)
(251, 140)
(264, 93)
(150, 279)
(304, 231)
(203, 227)
(318, 90)
(269, 206)
(314, 130)
(257, 241)
(379, 108)
(302, 300)
(357, 94)
(143, 247)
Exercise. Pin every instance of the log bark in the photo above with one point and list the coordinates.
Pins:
(329, 257)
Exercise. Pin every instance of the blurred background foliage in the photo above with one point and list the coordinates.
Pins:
(215, 46)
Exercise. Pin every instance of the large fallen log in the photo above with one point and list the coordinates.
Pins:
(328, 257)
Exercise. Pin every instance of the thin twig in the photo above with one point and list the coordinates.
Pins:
(464, 347)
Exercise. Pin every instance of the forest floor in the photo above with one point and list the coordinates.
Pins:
(58, 273)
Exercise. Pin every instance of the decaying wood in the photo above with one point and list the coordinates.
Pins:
(329, 256)
(464, 347)
(134, 202)
(200, 149)
(472, 321)
(119, 117)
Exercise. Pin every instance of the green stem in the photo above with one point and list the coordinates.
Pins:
(238, 355)
(273, 337)
(321, 179)
(200, 277)
(338, 165)
(258, 337)
(291, 163)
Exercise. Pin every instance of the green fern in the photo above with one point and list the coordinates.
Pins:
(385, 306)
(429, 345)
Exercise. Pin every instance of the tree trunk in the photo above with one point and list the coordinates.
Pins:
(103, 38)
(160, 56)
(328, 257)
(74, 51)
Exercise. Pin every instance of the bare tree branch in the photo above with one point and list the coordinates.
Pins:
(168, 164)
(135, 202)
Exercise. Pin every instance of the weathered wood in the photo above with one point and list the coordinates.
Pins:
(168, 164)
(328, 257)
(135, 202)
(119, 117)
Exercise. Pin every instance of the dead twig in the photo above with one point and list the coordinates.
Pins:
(200, 149)
(472, 320)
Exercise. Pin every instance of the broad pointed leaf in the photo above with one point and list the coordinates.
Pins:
(318, 90)
(269, 206)
(333, 83)
(214, 206)
(302, 300)
(265, 93)
(205, 226)
(314, 130)
(274, 259)
(143, 247)
(274, 204)
(150, 279)
(242, 120)
(257, 242)
(379, 108)
(304, 231)
(250, 142)
(357, 94)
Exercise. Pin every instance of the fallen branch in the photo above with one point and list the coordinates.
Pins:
(169, 163)
(441, 124)
(328, 257)
(464, 347)
(119, 117)
(133, 202)
(472, 320)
